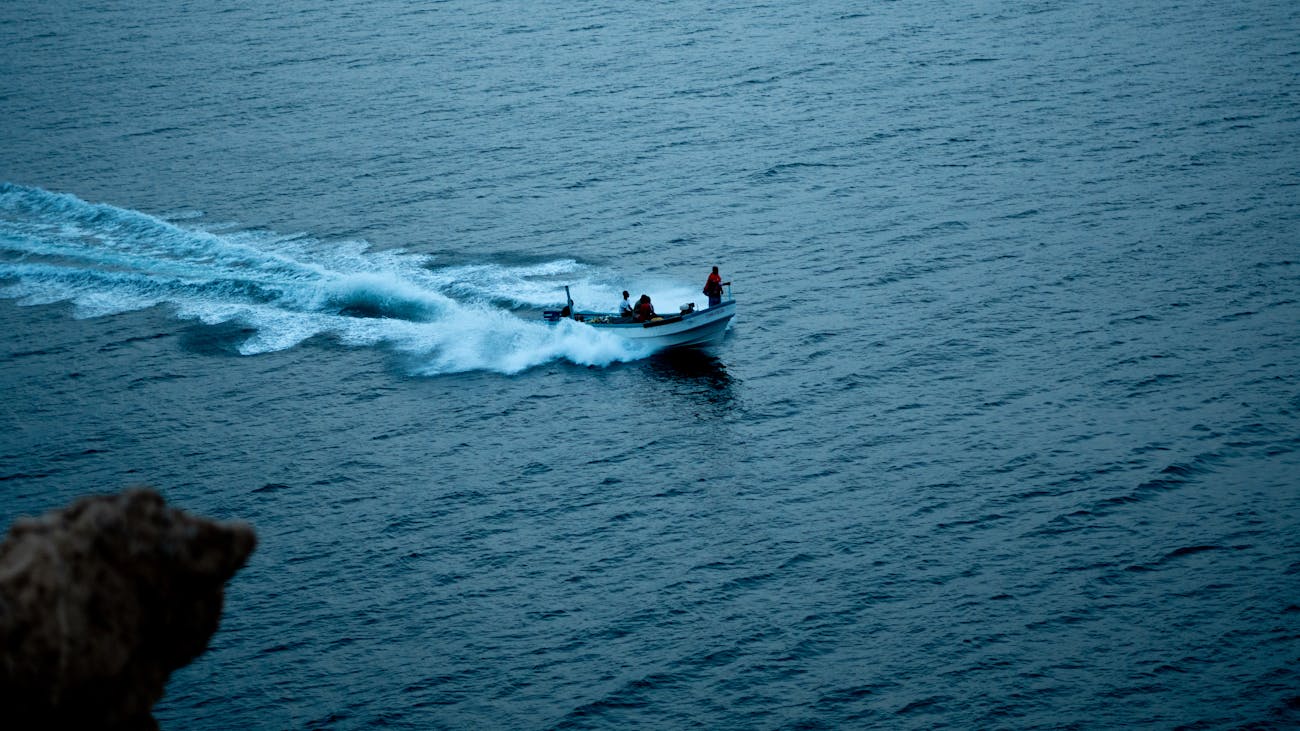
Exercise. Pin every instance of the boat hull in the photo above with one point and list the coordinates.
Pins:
(694, 329)
(697, 329)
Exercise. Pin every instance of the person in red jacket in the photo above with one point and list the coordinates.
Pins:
(713, 287)
(644, 310)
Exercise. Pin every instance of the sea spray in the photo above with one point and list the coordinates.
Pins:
(286, 289)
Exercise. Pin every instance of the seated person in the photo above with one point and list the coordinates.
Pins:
(645, 311)
(625, 307)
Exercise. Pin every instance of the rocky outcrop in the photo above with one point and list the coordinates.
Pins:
(101, 601)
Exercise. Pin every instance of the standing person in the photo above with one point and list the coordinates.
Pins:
(625, 307)
(713, 287)
(644, 310)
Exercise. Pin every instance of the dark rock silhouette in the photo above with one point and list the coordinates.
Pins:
(101, 601)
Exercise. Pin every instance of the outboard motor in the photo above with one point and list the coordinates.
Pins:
(687, 308)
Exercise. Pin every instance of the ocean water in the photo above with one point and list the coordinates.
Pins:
(1005, 434)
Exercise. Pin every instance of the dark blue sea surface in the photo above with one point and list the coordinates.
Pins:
(1005, 434)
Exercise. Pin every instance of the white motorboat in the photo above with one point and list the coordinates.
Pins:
(687, 328)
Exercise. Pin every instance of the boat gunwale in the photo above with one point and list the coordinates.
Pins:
(554, 316)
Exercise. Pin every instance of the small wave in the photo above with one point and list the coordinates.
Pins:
(280, 290)
(1171, 477)
(924, 705)
(1187, 551)
(24, 476)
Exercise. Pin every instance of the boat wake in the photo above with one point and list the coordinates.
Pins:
(288, 288)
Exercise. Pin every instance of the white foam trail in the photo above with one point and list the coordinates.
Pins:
(288, 288)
